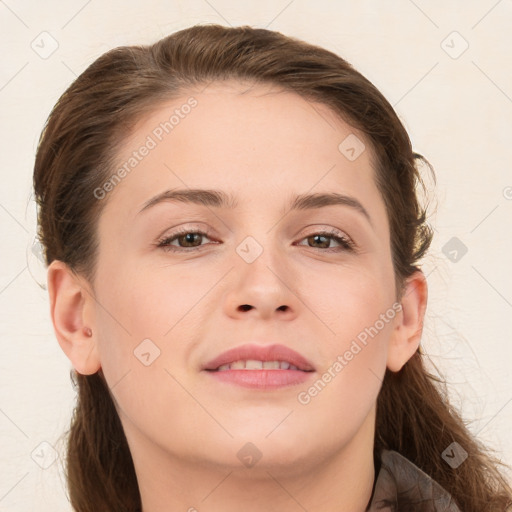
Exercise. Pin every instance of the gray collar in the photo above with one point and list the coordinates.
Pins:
(401, 486)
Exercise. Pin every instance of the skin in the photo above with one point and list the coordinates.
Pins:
(184, 428)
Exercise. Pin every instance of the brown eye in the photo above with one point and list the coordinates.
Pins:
(324, 240)
(186, 239)
(316, 239)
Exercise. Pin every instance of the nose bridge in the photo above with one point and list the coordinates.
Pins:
(261, 276)
(259, 236)
(261, 258)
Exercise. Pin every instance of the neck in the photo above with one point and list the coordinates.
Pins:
(340, 481)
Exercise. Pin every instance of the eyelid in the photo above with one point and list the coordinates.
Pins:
(345, 242)
(181, 229)
(161, 241)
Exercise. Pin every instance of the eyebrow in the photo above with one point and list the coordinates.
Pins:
(220, 199)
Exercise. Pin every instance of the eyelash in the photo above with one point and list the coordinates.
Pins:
(345, 243)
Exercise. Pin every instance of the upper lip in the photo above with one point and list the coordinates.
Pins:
(260, 353)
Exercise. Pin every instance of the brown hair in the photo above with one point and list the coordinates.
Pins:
(76, 155)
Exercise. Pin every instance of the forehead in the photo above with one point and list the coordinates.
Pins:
(257, 139)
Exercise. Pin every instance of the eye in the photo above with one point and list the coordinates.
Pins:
(186, 238)
(344, 242)
(190, 240)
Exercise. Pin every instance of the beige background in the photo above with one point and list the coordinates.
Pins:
(456, 103)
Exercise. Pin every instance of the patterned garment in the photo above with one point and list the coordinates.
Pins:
(401, 486)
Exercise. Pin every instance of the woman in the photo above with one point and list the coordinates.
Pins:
(233, 233)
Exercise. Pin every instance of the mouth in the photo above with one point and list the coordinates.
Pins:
(251, 357)
(260, 367)
(254, 364)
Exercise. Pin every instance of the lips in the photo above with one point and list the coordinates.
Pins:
(260, 353)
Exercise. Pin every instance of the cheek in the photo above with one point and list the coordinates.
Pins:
(357, 310)
(342, 397)
(347, 298)
(353, 364)
(140, 302)
(144, 316)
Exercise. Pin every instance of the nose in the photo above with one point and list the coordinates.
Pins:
(262, 288)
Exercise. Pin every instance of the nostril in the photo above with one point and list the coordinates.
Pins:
(245, 307)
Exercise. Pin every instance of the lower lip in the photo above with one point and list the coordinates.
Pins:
(262, 379)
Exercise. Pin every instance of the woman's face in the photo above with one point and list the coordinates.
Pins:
(259, 276)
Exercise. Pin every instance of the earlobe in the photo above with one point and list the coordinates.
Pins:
(69, 307)
(408, 327)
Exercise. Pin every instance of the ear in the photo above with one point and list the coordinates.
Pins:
(408, 327)
(70, 304)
